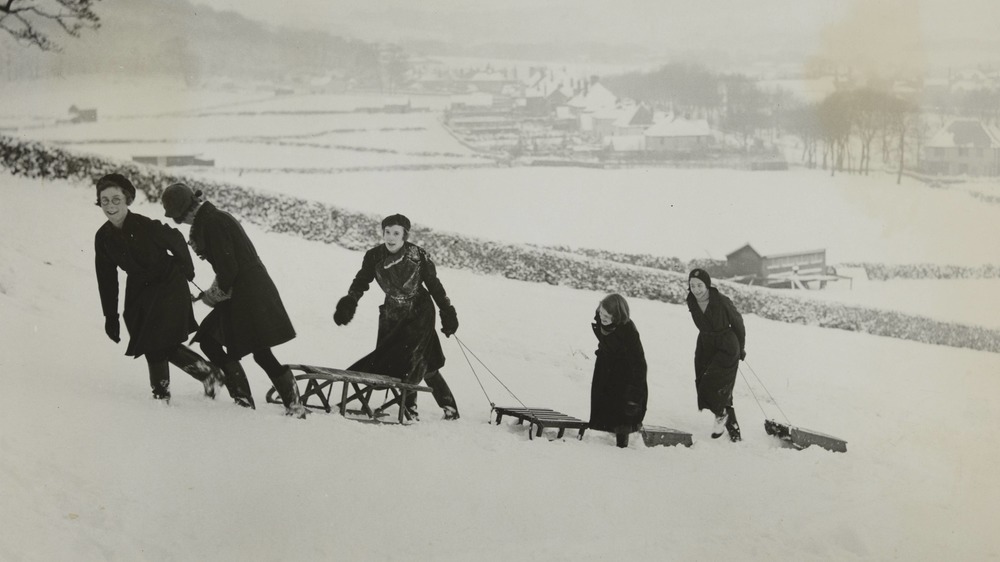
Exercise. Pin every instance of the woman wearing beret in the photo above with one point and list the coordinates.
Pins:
(407, 347)
(247, 314)
(720, 348)
(157, 308)
(618, 391)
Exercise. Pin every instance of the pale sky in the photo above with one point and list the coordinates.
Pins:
(673, 23)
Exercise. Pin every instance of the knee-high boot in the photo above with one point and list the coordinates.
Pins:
(159, 379)
(288, 390)
(210, 376)
(238, 385)
(442, 394)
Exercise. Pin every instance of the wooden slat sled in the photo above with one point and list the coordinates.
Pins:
(542, 418)
(319, 388)
(653, 435)
(801, 438)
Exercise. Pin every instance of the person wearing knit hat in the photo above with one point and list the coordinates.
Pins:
(407, 347)
(720, 348)
(247, 315)
(157, 308)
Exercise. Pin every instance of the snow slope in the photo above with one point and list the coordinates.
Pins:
(92, 469)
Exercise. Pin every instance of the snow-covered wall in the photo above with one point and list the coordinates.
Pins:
(578, 269)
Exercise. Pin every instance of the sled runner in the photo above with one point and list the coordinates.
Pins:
(319, 388)
(542, 418)
(653, 435)
(802, 438)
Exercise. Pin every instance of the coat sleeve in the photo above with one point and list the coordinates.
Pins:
(107, 279)
(428, 274)
(364, 277)
(636, 365)
(172, 240)
(222, 254)
(736, 322)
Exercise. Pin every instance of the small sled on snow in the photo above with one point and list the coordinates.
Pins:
(800, 438)
(540, 419)
(318, 392)
(655, 435)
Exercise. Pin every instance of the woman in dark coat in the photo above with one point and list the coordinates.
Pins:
(721, 346)
(247, 315)
(157, 310)
(618, 392)
(407, 347)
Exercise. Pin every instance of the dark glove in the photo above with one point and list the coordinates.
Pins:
(113, 328)
(345, 310)
(743, 355)
(631, 409)
(449, 321)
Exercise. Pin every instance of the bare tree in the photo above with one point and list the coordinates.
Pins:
(32, 22)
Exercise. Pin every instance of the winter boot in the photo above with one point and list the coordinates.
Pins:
(238, 385)
(159, 380)
(288, 390)
(210, 376)
(442, 395)
(720, 424)
(621, 439)
(733, 426)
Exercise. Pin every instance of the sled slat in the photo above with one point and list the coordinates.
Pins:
(542, 418)
(653, 435)
(801, 438)
(319, 387)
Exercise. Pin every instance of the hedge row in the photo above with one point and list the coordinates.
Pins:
(577, 269)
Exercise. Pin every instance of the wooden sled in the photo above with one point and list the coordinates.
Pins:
(542, 418)
(653, 435)
(801, 438)
(319, 388)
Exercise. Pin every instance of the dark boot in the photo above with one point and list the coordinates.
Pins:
(442, 395)
(733, 426)
(159, 380)
(210, 376)
(621, 438)
(288, 390)
(238, 385)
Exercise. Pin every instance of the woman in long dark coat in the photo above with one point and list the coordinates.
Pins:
(407, 347)
(618, 392)
(720, 348)
(157, 309)
(248, 316)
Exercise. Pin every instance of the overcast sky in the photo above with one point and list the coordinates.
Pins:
(724, 23)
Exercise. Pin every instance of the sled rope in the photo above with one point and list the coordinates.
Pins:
(464, 348)
(762, 385)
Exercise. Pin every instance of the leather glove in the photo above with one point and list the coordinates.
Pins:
(214, 295)
(449, 321)
(113, 328)
(346, 307)
(743, 355)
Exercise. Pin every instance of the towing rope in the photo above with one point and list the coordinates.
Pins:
(465, 348)
(754, 394)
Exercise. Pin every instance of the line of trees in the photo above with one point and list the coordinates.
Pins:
(840, 133)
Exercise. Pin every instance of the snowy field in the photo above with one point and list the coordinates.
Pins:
(102, 472)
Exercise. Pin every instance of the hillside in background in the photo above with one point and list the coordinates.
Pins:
(197, 42)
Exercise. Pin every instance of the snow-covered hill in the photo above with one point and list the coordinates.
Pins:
(92, 469)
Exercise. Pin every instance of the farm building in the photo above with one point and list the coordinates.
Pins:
(963, 147)
(173, 160)
(795, 270)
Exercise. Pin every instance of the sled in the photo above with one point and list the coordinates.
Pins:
(542, 418)
(319, 389)
(654, 435)
(800, 438)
